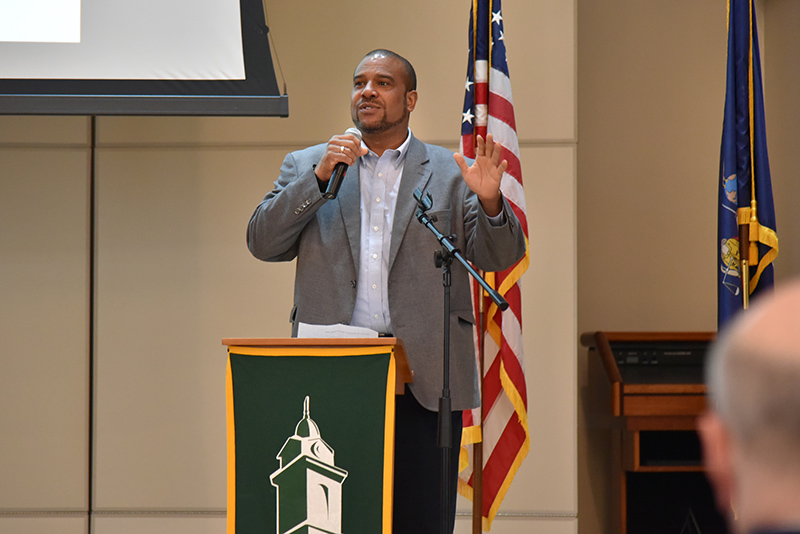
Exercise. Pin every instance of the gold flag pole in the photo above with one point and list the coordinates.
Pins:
(477, 448)
(744, 263)
(746, 226)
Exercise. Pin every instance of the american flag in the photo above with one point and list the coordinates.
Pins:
(489, 108)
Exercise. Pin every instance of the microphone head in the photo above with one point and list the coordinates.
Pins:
(355, 132)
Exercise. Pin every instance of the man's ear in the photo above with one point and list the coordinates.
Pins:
(411, 100)
(716, 440)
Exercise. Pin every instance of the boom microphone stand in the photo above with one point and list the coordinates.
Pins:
(444, 259)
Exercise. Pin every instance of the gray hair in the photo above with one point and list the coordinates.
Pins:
(755, 388)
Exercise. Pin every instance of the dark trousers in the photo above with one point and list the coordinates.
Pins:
(417, 468)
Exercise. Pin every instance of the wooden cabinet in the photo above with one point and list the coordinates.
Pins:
(656, 393)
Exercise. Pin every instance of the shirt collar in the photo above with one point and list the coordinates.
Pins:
(398, 154)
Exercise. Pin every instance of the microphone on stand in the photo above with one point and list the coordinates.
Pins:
(339, 171)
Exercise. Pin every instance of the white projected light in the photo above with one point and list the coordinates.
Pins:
(137, 57)
(136, 40)
(40, 21)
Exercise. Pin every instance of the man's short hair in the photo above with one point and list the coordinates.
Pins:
(410, 73)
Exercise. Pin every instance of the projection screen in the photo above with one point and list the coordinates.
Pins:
(142, 57)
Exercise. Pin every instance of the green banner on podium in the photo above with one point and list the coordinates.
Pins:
(310, 437)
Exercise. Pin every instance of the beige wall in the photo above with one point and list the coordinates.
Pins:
(622, 238)
(651, 82)
(44, 321)
(781, 47)
(172, 275)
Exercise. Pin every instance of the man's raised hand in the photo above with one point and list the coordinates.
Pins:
(484, 176)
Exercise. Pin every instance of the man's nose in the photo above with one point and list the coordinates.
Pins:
(369, 89)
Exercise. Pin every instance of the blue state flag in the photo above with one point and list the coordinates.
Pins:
(745, 189)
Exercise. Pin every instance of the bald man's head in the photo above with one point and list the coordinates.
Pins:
(751, 432)
(754, 375)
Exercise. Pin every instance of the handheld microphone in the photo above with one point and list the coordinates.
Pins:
(339, 171)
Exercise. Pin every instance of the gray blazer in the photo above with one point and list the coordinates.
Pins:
(294, 221)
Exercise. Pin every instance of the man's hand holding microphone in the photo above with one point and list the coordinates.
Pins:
(341, 152)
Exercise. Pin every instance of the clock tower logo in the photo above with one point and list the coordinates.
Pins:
(309, 485)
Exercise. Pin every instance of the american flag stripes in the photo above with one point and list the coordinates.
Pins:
(489, 109)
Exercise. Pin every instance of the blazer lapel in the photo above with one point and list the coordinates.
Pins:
(416, 174)
(349, 199)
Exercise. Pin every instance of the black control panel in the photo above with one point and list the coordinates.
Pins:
(660, 361)
(660, 352)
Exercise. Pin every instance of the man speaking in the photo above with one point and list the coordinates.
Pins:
(363, 260)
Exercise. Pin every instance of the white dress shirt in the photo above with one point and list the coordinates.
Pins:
(379, 181)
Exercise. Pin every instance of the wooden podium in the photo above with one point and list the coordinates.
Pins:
(656, 393)
(311, 434)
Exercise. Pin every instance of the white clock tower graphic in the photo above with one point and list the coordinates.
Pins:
(309, 485)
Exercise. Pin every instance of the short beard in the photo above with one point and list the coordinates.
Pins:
(381, 126)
